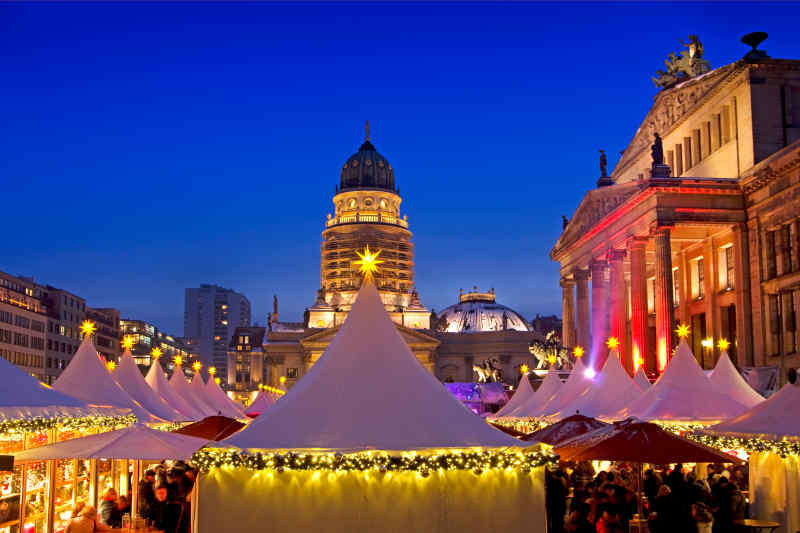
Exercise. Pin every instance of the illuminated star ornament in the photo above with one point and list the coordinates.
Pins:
(578, 352)
(178, 360)
(127, 342)
(111, 365)
(552, 359)
(88, 328)
(212, 370)
(196, 366)
(523, 369)
(156, 353)
(683, 331)
(723, 345)
(612, 343)
(368, 262)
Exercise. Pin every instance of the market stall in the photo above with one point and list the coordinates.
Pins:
(129, 377)
(217, 398)
(157, 381)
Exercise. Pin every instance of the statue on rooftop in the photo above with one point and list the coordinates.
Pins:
(657, 150)
(603, 164)
(688, 64)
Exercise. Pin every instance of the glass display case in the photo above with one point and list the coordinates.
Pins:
(35, 498)
(63, 493)
(10, 492)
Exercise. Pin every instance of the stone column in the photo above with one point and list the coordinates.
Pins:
(639, 352)
(599, 313)
(713, 320)
(617, 298)
(665, 310)
(568, 312)
(741, 289)
(582, 333)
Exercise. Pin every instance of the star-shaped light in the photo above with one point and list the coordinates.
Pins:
(552, 359)
(127, 342)
(111, 365)
(612, 343)
(156, 353)
(196, 366)
(217, 380)
(723, 344)
(88, 327)
(282, 380)
(523, 369)
(212, 370)
(683, 331)
(578, 352)
(368, 262)
(178, 360)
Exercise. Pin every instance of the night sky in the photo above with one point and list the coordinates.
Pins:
(151, 147)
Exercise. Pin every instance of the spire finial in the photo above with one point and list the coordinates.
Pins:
(367, 128)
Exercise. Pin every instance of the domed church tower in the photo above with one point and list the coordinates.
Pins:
(367, 212)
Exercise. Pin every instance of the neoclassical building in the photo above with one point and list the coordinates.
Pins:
(700, 228)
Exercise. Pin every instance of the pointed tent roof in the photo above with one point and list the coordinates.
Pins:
(549, 387)
(683, 393)
(218, 398)
(611, 390)
(640, 378)
(158, 382)
(727, 379)
(770, 419)
(23, 396)
(198, 387)
(368, 391)
(87, 378)
(131, 379)
(523, 394)
(567, 428)
(262, 402)
(576, 383)
(186, 391)
(134, 442)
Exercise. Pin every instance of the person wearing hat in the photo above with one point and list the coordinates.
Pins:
(147, 495)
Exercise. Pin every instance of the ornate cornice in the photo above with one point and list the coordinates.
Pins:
(764, 176)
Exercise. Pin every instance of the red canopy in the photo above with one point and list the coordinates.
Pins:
(214, 428)
(567, 428)
(634, 441)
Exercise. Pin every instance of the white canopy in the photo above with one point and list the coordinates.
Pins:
(23, 396)
(158, 382)
(576, 383)
(774, 418)
(134, 442)
(217, 398)
(87, 378)
(609, 391)
(523, 394)
(683, 393)
(262, 402)
(550, 385)
(131, 379)
(727, 379)
(368, 391)
(186, 391)
(640, 378)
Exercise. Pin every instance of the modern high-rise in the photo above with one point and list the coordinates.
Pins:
(211, 314)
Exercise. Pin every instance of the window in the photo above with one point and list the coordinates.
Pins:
(786, 238)
(701, 278)
(774, 323)
(687, 153)
(678, 159)
(697, 152)
(291, 373)
(676, 287)
(729, 275)
(651, 296)
(772, 265)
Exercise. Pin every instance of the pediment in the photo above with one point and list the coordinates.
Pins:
(596, 205)
(670, 108)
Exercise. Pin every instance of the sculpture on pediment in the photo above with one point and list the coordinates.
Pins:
(657, 150)
(688, 64)
(603, 164)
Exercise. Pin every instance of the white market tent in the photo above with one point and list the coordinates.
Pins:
(683, 393)
(23, 396)
(549, 387)
(131, 379)
(186, 391)
(576, 383)
(611, 390)
(88, 379)
(727, 379)
(262, 402)
(217, 398)
(640, 378)
(133, 442)
(369, 392)
(157, 381)
(774, 480)
(523, 394)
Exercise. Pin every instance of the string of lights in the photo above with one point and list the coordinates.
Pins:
(784, 448)
(477, 462)
(36, 424)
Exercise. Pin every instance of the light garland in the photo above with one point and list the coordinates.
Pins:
(784, 448)
(523, 425)
(477, 462)
(36, 424)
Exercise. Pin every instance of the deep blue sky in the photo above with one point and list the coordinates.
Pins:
(151, 147)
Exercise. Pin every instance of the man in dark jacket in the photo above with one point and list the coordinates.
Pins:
(166, 515)
(147, 495)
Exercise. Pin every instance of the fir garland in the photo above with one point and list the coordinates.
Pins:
(477, 462)
(784, 448)
(37, 424)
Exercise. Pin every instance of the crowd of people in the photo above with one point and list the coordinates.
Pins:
(580, 500)
(164, 503)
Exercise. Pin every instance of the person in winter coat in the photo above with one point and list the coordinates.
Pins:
(147, 494)
(110, 515)
(166, 515)
(84, 520)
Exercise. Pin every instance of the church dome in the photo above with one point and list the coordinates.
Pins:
(367, 169)
(478, 312)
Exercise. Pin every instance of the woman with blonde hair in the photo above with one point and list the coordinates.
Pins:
(84, 520)
(109, 513)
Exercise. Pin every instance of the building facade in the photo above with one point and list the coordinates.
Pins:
(23, 323)
(65, 312)
(246, 368)
(697, 224)
(146, 337)
(108, 336)
(211, 314)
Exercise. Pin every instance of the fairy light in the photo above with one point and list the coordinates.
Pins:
(37, 424)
